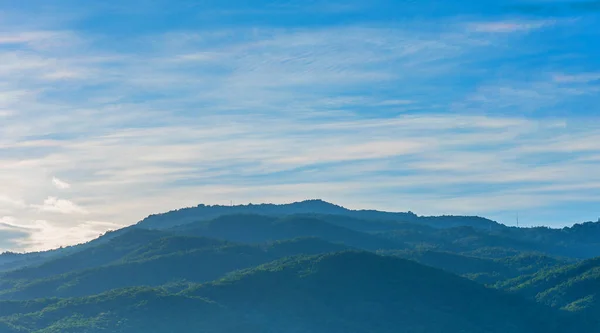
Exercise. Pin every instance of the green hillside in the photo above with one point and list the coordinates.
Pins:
(481, 269)
(259, 229)
(288, 270)
(574, 287)
(340, 292)
(153, 266)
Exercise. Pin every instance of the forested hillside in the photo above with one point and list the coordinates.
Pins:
(341, 292)
(308, 267)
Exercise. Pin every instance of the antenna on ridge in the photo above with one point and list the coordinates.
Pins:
(517, 219)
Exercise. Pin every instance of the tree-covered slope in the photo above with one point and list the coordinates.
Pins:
(260, 228)
(575, 287)
(482, 270)
(357, 291)
(154, 266)
(92, 256)
(335, 293)
(132, 310)
(280, 289)
(567, 242)
(12, 261)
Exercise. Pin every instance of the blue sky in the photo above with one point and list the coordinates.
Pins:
(114, 110)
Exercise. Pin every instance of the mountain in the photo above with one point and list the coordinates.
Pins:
(320, 207)
(287, 268)
(355, 291)
(166, 260)
(572, 242)
(357, 224)
(92, 256)
(581, 240)
(259, 229)
(177, 249)
(364, 229)
(206, 212)
(483, 270)
(11, 261)
(446, 233)
(126, 311)
(574, 287)
(334, 293)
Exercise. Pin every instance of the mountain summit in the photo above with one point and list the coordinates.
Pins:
(313, 207)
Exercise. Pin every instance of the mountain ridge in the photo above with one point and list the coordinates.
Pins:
(315, 268)
(314, 206)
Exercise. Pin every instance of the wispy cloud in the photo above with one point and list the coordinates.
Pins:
(36, 39)
(6, 200)
(509, 26)
(434, 117)
(10, 234)
(577, 78)
(40, 235)
(60, 184)
(63, 206)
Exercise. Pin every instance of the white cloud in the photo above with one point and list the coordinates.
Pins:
(278, 115)
(7, 221)
(577, 78)
(26, 37)
(47, 234)
(130, 174)
(530, 96)
(60, 184)
(508, 26)
(11, 202)
(393, 102)
(62, 206)
(11, 234)
(6, 113)
(39, 235)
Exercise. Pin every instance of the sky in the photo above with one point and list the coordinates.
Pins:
(114, 110)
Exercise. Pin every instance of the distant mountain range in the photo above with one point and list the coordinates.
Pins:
(310, 266)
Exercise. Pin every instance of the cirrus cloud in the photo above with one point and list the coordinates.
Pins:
(437, 116)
